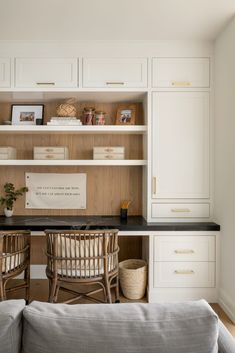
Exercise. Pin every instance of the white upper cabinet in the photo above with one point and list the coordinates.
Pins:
(180, 145)
(46, 73)
(114, 72)
(181, 72)
(5, 72)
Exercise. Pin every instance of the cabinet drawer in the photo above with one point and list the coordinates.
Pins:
(184, 248)
(110, 150)
(184, 274)
(109, 156)
(50, 149)
(184, 210)
(181, 72)
(7, 153)
(5, 72)
(46, 72)
(42, 156)
(114, 72)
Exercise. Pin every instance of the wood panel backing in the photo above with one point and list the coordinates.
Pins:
(106, 188)
(80, 146)
(50, 110)
(130, 248)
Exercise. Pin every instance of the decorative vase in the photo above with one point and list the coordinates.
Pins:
(8, 213)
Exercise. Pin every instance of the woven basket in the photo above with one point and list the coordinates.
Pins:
(133, 278)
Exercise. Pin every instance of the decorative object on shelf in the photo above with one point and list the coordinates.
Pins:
(124, 209)
(26, 114)
(126, 114)
(88, 116)
(63, 121)
(11, 195)
(7, 153)
(67, 109)
(109, 152)
(53, 153)
(100, 118)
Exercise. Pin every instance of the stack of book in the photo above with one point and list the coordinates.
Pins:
(64, 121)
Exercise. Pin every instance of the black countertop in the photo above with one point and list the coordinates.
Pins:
(133, 223)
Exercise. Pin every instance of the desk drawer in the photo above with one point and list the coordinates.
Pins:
(184, 210)
(184, 274)
(184, 248)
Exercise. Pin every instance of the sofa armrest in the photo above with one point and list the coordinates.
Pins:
(226, 342)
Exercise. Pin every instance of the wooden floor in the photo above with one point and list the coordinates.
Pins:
(39, 291)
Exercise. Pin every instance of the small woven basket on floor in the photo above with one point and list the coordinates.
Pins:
(133, 278)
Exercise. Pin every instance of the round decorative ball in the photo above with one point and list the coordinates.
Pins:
(67, 110)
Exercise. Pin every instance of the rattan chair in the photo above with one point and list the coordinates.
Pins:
(14, 259)
(82, 257)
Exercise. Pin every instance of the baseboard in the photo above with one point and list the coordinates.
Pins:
(36, 272)
(227, 305)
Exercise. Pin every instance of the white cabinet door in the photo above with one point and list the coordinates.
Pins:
(46, 73)
(181, 72)
(180, 145)
(114, 72)
(5, 72)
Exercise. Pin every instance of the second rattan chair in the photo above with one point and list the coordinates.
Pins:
(14, 259)
(82, 257)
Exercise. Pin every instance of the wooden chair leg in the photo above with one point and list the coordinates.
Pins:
(117, 300)
(108, 291)
(56, 292)
(52, 290)
(2, 291)
(27, 280)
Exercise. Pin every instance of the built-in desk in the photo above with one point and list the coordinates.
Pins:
(132, 224)
(183, 258)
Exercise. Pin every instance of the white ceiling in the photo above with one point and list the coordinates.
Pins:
(113, 19)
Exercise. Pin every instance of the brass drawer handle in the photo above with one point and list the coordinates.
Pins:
(49, 156)
(49, 150)
(181, 83)
(175, 210)
(108, 149)
(108, 157)
(114, 83)
(45, 83)
(184, 251)
(184, 272)
(154, 185)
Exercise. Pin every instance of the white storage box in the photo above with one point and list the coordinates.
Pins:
(50, 153)
(109, 152)
(7, 153)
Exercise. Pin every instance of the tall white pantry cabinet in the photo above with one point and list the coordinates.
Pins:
(174, 83)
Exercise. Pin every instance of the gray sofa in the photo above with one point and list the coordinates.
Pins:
(190, 327)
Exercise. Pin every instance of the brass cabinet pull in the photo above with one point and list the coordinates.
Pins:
(175, 210)
(49, 156)
(154, 185)
(184, 251)
(108, 156)
(181, 83)
(49, 150)
(108, 149)
(184, 272)
(114, 83)
(45, 83)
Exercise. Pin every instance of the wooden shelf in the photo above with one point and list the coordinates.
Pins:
(73, 162)
(84, 129)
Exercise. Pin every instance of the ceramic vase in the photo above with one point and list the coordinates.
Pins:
(8, 213)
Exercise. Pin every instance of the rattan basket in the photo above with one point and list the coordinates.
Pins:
(133, 278)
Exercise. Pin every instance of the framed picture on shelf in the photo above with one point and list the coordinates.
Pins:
(126, 114)
(27, 114)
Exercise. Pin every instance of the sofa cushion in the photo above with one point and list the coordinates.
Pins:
(190, 327)
(11, 325)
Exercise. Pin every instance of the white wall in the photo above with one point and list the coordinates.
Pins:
(225, 161)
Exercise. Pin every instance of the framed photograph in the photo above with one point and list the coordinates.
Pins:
(27, 114)
(126, 114)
